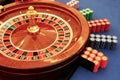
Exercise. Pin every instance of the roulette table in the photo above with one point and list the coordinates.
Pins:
(40, 40)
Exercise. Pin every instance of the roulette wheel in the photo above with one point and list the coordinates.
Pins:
(40, 40)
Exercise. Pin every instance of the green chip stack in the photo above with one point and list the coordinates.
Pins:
(88, 13)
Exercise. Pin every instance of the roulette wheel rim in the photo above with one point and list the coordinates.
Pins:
(52, 63)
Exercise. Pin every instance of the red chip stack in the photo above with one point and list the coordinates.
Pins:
(93, 60)
(100, 25)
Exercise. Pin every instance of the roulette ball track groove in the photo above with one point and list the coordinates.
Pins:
(21, 58)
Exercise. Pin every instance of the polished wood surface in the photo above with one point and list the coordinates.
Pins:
(80, 36)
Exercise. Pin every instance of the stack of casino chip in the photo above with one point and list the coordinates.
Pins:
(87, 13)
(103, 41)
(92, 60)
(73, 3)
(100, 25)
